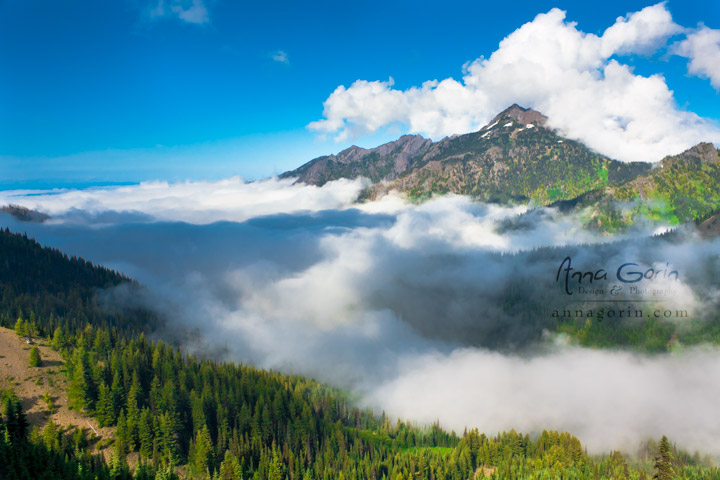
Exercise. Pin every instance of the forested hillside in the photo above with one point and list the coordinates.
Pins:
(681, 188)
(180, 416)
(57, 289)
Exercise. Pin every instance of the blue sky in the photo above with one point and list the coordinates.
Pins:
(123, 91)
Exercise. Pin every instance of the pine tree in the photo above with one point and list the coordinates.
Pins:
(22, 423)
(664, 461)
(198, 413)
(201, 452)
(145, 432)
(31, 329)
(105, 410)
(51, 436)
(79, 440)
(133, 412)
(119, 469)
(168, 439)
(121, 436)
(16, 424)
(275, 470)
(35, 360)
(58, 340)
(117, 392)
(81, 391)
(230, 468)
(20, 328)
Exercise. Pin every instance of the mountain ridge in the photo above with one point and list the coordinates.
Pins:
(390, 160)
(514, 158)
(680, 188)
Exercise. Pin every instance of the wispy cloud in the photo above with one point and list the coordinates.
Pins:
(190, 11)
(280, 56)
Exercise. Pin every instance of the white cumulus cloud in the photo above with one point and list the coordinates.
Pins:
(554, 67)
(702, 47)
(640, 32)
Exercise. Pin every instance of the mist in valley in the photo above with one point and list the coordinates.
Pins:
(437, 311)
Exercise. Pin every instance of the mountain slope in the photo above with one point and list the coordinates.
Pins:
(191, 418)
(511, 160)
(32, 384)
(681, 188)
(514, 158)
(44, 282)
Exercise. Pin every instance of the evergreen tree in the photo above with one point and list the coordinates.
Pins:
(133, 412)
(168, 439)
(230, 468)
(51, 436)
(119, 469)
(201, 452)
(121, 435)
(105, 409)
(35, 360)
(145, 432)
(664, 461)
(81, 391)
(20, 328)
(275, 470)
(58, 340)
(117, 392)
(16, 422)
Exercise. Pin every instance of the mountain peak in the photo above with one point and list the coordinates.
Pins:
(497, 164)
(520, 115)
(703, 152)
(407, 143)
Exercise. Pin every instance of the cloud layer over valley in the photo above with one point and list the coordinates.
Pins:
(432, 311)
